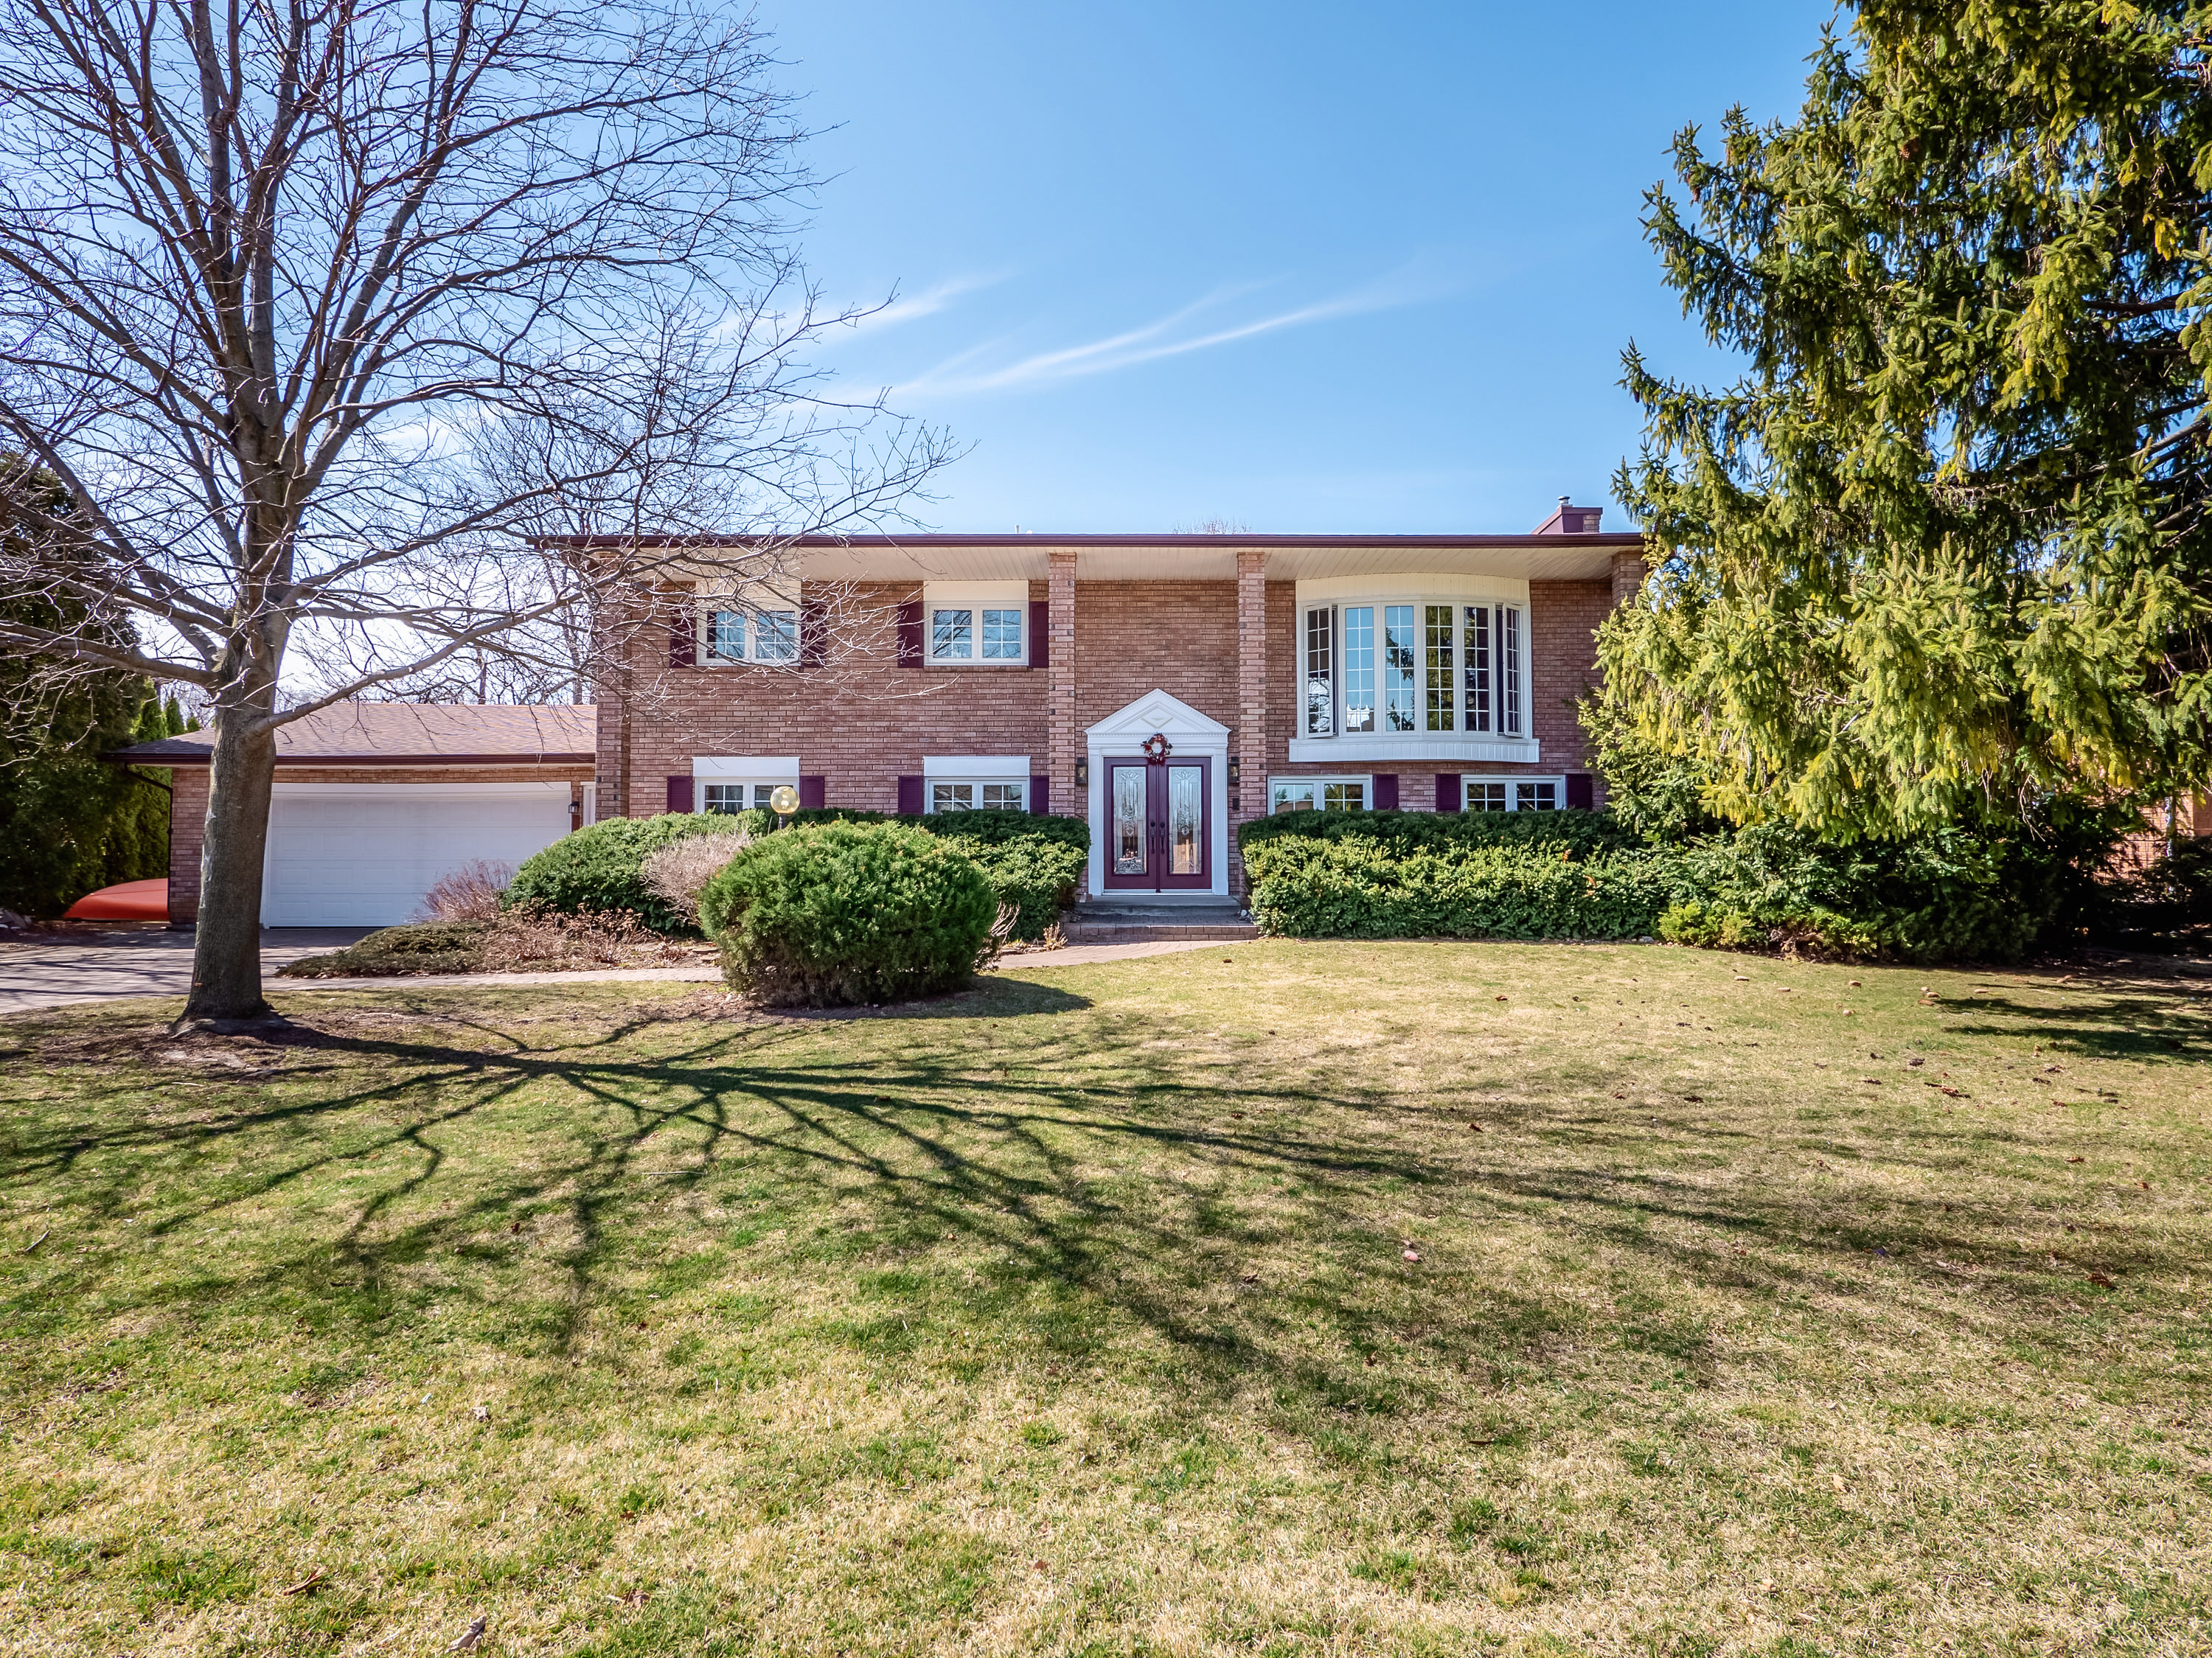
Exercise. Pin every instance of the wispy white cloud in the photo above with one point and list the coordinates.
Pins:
(1167, 336)
(910, 307)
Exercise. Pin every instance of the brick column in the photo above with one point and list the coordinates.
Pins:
(1251, 699)
(1063, 738)
(1628, 571)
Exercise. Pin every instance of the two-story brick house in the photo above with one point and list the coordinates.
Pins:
(1166, 687)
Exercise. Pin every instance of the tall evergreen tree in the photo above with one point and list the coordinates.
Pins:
(1944, 548)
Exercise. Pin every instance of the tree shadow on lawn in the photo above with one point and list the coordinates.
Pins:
(1256, 1230)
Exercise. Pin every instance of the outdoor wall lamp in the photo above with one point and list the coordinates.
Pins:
(1083, 774)
(1236, 770)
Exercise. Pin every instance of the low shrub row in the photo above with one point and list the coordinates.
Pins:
(1030, 862)
(1956, 894)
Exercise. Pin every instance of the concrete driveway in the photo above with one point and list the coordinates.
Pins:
(148, 961)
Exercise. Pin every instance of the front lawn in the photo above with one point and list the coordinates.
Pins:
(1281, 1299)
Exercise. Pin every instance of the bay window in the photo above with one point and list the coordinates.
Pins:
(1405, 675)
(1321, 661)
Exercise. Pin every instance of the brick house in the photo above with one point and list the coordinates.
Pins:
(1167, 688)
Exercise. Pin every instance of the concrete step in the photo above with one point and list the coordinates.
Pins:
(1144, 924)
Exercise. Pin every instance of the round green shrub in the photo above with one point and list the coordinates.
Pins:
(599, 868)
(831, 914)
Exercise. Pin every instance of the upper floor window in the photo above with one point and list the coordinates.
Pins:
(767, 635)
(1404, 669)
(976, 622)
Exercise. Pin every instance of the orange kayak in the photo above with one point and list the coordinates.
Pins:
(133, 900)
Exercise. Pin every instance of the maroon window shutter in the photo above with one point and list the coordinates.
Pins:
(1579, 793)
(679, 794)
(1448, 795)
(1386, 791)
(684, 638)
(813, 632)
(909, 634)
(813, 792)
(1040, 796)
(1040, 637)
(909, 797)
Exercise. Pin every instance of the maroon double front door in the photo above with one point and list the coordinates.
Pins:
(1158, 819)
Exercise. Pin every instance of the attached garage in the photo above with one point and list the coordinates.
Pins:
(375, 801)
(363, 855)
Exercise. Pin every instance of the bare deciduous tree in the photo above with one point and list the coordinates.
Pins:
(325, 313)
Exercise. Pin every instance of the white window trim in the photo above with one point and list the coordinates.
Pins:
(974, 597)
(1364, 779)
(746, 768)
(1512, 793)
(976, 768)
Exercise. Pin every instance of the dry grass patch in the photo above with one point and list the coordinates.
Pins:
(1292, 1299)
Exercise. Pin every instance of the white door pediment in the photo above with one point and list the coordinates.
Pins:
(1157, 711)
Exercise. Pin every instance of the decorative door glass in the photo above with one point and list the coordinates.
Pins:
(1186, 820)
(1129, 820)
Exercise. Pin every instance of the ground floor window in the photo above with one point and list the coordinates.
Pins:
(1491, 794)
(1317, 794)
(979, 797)
(738, 797)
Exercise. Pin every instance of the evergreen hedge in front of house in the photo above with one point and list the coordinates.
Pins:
(1451, 875)
(1030, 862)
(1983, 893)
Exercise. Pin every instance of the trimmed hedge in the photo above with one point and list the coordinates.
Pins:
(835, 913)
(1033, 863)
(598, 868)
(1987, 894)
(1410, 875)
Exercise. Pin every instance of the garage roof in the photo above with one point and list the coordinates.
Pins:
(407, 734)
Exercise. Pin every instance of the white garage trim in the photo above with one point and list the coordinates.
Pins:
(363, 855)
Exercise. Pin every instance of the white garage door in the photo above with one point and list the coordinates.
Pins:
(363, 855)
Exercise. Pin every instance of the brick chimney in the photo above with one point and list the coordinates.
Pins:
(1572, 520)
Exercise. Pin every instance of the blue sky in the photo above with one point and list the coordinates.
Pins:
(1303, 268)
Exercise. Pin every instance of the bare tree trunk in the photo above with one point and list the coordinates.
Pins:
(226, 945)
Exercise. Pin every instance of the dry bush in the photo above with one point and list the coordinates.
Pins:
(677, 871)
(470, 893)
(530, 939)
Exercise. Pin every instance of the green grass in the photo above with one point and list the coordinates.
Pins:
(1072, 1316)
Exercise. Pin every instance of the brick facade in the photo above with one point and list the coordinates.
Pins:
(861, 720)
